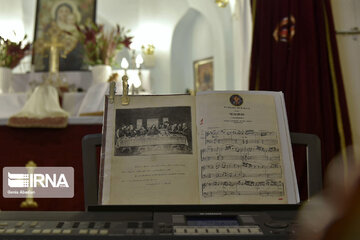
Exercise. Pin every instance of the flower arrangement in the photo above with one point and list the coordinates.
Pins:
(101, 47)
(11, 53)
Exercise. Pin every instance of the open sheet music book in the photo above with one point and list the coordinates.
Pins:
(213, 148)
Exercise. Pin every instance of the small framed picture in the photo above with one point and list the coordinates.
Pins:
(62, 15)
(204, 74)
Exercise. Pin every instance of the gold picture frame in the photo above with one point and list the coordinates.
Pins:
(204, 74)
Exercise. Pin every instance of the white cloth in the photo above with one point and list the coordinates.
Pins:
(74, 103)
(79, 79)
(94, 99)
(71, 120)
(11, 103)
(44, 102)
(71, 102)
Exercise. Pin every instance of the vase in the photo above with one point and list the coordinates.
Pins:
(100, 73)
(5, 79)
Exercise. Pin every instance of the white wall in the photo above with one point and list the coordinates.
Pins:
(153, 22)
(212, 14)
(346, 15)
(181, 57)
(160, 18)
(229, 32)
(192, 40)
(122, 12)
(242, 42)
(28, 15)
(11, 19)
(18, 16)
(202, 45)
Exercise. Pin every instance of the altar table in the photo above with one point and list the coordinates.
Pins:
(47, 148)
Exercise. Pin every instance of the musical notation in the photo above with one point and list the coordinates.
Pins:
(234, 148)
(224, 165)
(216, 132)
(229, 183)
(239, 174)
(247, 157)
(240, 162)
(222, 193)
(241, 141)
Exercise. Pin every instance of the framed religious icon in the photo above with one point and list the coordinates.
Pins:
(204, 74)
(61, 16)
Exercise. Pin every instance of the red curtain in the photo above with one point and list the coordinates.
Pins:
(294, 50)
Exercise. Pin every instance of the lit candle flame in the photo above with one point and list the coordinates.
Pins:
(139, 60)
(124, 64)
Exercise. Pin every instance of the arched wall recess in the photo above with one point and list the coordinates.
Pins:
(192, 40)
(222, 63)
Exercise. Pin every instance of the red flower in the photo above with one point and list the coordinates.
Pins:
(90, 36)
(101, 47)
(127, 41)
(11, 53)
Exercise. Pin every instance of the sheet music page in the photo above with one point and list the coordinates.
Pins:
(288, 160)
(239, 146)
(152, 158)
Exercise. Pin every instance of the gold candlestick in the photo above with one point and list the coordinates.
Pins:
(112, 92)
(29, 201)
(125, 100)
